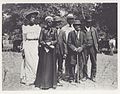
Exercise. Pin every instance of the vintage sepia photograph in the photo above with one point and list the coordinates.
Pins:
(59, 46)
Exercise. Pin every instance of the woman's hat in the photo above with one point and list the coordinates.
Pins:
(48, 18)
(29, 13)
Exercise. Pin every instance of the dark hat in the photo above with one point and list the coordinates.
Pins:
(77, 22)
(57, 19)
(29, 13)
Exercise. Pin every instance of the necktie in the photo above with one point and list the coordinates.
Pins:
(78, 32)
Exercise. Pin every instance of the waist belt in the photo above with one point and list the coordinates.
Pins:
(31, 39)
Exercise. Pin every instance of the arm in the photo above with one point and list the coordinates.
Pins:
(84, 41)
(64, 42)
(96, 34)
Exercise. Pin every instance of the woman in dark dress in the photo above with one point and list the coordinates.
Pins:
(46, 72)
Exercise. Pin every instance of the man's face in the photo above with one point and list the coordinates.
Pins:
(58, 24)
(88, 24)
(70, 20)
(77, 27)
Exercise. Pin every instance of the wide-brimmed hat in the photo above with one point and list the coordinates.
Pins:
(70, 16)
(29, 13)
(76, 22)
(57, 19)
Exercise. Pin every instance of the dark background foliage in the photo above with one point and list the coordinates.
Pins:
(104, 15)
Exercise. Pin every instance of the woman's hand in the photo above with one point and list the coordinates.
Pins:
(48, 43)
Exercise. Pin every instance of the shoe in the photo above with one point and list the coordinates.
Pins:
(84, 79)
(54, 87)
(44, 88)
(93, 79)
(59, 84)
(77, 81)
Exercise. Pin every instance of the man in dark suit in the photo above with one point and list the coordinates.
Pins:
(92, 48)
(60, 47)
(76, 42)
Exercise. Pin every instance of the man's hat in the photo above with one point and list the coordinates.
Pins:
(70, 16)
(29, 13)
(89, 20)
(77, 22)
(57, 19)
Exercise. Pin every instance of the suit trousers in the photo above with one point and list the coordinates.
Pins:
(67, 66)
(59, 58)
(90, 51)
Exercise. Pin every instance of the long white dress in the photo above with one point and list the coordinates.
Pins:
(30, 46)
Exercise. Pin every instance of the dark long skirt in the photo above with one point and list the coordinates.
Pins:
(46, 76)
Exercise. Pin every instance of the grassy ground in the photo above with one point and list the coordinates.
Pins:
(106, 74)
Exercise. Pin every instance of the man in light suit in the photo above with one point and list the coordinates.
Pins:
(67, 28)
(60, 47)
(91, 49)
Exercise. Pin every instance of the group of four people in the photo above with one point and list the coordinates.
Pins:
(43, 59)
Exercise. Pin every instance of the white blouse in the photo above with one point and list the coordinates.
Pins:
(31, 32)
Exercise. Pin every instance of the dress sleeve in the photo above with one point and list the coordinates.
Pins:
(41, 41)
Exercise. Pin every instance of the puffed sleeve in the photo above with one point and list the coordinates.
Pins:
(41, 41)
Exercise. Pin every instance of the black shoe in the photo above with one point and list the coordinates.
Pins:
(93, 79)
(77, 81)
(44, 88)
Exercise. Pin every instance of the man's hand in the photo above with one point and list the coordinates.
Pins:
(75, 49)
(79, 49)
(64, 56)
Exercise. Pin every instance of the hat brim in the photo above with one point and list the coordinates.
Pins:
(28, 15)
(89, 20)
(76, 24)
(70, 17)
(57, 21)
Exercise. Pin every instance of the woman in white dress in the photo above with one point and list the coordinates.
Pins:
(30, 49)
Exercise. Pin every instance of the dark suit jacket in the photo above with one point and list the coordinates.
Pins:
(73, 42)
(94, 37)
(61, 44)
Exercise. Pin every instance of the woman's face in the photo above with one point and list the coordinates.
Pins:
(32, 18)
(49, 22)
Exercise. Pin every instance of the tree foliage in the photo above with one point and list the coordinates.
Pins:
(104, 14)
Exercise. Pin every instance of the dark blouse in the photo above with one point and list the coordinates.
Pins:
(48, 35)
